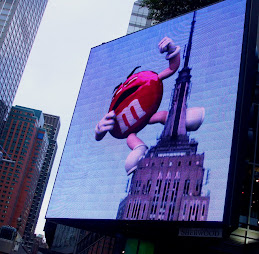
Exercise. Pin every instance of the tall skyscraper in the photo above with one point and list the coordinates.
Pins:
(25, 141)
(19, 22)
(51, 125)
(139, 18)
(167, 184)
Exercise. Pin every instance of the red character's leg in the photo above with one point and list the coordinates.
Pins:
(133, 141)
(138, 151)
(194, 118)
(159, 117)
(137, 146)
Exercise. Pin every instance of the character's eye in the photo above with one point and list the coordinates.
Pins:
(130, 81)
(116, 88)
(118, 91)
(125, 85)
(124, 95)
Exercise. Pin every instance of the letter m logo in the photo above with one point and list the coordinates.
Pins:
(130, 115)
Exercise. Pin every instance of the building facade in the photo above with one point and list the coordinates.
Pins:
(139, 18)
(25, 142)
(167, 188)
(19, 23)
(52, 126)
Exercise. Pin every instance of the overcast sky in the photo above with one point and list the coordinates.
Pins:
(55, 68)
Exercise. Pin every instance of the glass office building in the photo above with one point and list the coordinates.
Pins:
(19, 22)
(139, 18)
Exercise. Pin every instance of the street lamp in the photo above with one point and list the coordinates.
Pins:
(19, 223)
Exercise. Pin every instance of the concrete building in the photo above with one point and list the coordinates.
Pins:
(26, 142)
(19, 23)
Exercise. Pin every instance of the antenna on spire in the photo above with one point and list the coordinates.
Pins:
(189, 46)
(175, 124)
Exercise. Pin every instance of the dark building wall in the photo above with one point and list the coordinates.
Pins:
(90, 242)
(51, 125)
(65, 238)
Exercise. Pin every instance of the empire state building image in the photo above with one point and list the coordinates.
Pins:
(167, 184)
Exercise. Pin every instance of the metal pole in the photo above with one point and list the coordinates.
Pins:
(5, 160)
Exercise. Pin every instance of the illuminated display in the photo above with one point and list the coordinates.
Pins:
(184, 155)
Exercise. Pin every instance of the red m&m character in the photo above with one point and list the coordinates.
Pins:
(135, 104)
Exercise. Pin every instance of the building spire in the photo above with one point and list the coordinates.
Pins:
(189, 46)
(175, 124)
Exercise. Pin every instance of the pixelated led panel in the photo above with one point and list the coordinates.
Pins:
(91, 181)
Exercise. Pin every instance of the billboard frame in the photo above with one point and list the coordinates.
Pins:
(247, 76)
(237, 159)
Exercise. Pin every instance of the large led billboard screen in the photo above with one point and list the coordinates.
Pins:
(155, 165)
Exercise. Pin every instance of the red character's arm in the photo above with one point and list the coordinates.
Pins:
(173, 55)
(106, 124)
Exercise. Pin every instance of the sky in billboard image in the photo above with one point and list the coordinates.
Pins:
(91, 180)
